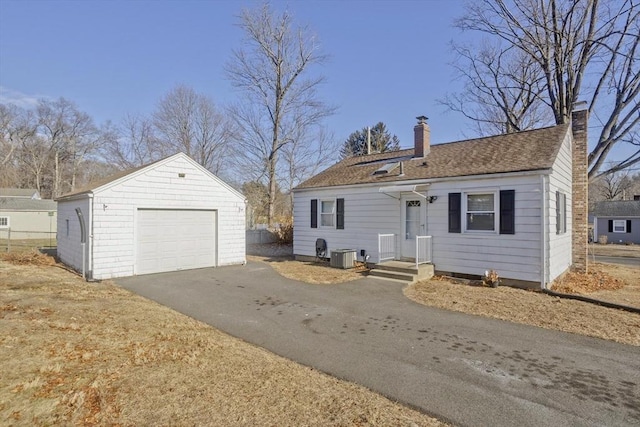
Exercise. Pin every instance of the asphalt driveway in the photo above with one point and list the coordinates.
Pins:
(468, 370)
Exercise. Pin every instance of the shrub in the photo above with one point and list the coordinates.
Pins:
(284, 233)
(602, 239)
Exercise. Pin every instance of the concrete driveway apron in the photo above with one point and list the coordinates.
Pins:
(468, 370)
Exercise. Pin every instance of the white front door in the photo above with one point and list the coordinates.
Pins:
(413, 217)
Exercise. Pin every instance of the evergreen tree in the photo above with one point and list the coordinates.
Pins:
(381, 141)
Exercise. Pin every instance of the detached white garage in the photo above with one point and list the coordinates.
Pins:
(170, 215)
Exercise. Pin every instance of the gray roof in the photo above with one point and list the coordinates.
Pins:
(20, 204)
(19, 192)
(516, 152)
(617, 208)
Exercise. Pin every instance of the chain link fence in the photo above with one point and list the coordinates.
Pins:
(23, 240)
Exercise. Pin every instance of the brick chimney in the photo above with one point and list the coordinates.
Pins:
(579, 240)
(421, 137)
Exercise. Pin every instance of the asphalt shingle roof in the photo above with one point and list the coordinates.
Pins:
(617, 208)
(17, 192)
(515, 152)
(23, 204)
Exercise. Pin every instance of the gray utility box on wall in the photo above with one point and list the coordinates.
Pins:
(343, 258)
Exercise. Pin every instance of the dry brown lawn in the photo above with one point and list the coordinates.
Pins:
(73, 353)
(541, 310)
(319, 273)
(632, 251)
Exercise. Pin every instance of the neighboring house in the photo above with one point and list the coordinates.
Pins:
(514, 203)
(617, 220)
(26, 218)
(170, 215)
(20, 193)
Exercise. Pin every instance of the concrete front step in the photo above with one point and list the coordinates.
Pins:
(405, 277)
(388, 279)
(402, 271)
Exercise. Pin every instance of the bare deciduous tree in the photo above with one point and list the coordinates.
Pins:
(273, 71)
(132, 144)
(613, 186)
(69, 136)
(585, 49)
(45, 148)
(303, 160)
(17, 127)
(189, 122)
(503, 90)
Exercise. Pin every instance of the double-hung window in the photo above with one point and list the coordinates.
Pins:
(327, 213)
(481, 212)
(331, 213)
(4, 222)
(619, 226)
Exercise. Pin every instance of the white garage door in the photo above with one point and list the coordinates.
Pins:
(169, 240)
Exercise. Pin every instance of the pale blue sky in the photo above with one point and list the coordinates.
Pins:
(388, 59)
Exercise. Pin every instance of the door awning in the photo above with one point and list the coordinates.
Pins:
(407, 188)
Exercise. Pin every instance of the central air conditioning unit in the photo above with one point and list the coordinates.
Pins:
(343, 258)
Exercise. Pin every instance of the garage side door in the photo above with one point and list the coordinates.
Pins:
(169, 240)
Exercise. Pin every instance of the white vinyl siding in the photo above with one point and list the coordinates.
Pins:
(69, 248)
(559, 244)
(516, 256)
(116, 206)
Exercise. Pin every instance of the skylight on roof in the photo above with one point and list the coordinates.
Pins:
(386, 168)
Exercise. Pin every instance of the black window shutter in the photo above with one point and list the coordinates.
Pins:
(507, 212)
(314, 213)
(610, 226)
(628, 226)
(340, 214)
(454, 213)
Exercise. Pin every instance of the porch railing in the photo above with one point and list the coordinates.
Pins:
(386, 247)
(423, 250)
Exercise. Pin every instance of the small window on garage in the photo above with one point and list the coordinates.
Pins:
(4, 222)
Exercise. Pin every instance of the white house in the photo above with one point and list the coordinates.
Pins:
(513, 203)
(27, 218)
(170, 215)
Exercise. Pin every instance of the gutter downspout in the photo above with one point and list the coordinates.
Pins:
(545, 233)
(90, 236)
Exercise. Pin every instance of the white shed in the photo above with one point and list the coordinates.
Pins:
(169, 215)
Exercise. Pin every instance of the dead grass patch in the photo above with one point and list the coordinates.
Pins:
(73, 353)
(529, 308)
(629, 251)
(314, 272)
